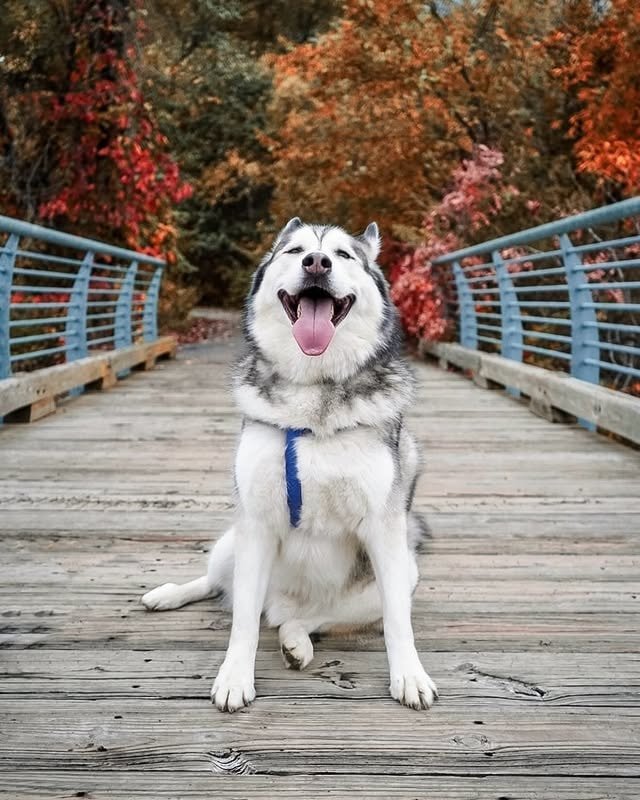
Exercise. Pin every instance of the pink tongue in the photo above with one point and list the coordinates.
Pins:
(313, 330)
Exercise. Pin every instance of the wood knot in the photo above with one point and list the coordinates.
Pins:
(230, 762)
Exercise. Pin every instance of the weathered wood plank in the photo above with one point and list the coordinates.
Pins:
(213, 782)
(464, 677)
(332, 736)
(94, 558)
(91, 618)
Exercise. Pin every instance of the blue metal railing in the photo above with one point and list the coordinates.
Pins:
(564, 295)
(63, 297)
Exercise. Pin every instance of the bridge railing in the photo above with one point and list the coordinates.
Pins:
(68, 300)
(564, 296)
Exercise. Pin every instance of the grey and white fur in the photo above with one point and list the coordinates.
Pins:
(323, 353)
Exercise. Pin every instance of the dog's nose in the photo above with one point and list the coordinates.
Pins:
(316, 264)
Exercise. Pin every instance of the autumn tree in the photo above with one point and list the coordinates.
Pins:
(100, 101)
(33, 46)
(372, 119)
(105, 167)
(210, 91)
(603, 71)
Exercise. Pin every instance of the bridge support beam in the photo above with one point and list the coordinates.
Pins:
(24, 398)
(614, 411)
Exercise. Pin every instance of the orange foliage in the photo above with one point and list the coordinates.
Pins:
(371, 119)
(604, 71)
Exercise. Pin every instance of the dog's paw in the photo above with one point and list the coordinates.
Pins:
(295, 645)
(163, 598)
(413, 688)
(232, 689)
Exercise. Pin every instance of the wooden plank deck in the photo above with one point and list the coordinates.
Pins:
(526, 615)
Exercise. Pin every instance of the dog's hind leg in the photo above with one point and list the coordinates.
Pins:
(295, 644)
(358, 608)
(218, 578)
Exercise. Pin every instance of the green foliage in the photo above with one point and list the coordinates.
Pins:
(211, 92)
(35, 43)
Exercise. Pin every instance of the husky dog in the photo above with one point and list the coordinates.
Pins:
(325, 469)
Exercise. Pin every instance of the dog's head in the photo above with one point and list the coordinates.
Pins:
(319, 305)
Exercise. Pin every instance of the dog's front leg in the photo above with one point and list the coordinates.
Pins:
(255, 548)
(389, 552)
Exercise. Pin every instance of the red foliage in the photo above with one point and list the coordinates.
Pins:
(36, 298)
(417, 287)
(117, 176)
(419, 295)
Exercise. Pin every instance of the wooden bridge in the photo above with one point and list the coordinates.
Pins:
(526, 614)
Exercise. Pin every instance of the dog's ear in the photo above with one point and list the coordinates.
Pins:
(268, 257)
(291, 226)
(371, 239)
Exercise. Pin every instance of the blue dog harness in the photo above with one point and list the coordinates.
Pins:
(294, 487)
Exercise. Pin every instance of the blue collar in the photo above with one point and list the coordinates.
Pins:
(294, 488)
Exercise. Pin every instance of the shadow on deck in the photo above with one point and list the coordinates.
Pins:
(526, 614)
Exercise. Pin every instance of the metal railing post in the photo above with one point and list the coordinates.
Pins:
(7, 261)
(76, 325)
(511, 333)
(123, 335)
(583, 319)
(466, 309)
(150, 314)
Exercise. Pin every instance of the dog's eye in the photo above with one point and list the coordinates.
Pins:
(294, 251)
(343, 254)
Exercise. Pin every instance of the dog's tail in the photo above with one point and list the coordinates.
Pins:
(418, 532)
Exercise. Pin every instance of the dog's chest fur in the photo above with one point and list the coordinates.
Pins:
(344, 477)
(345, 461)
(348, 465)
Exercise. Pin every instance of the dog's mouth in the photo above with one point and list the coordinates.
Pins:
(314, 314)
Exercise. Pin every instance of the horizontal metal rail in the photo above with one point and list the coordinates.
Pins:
(28, 230)
(582, 276)
(57, 291)
(590, 219)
